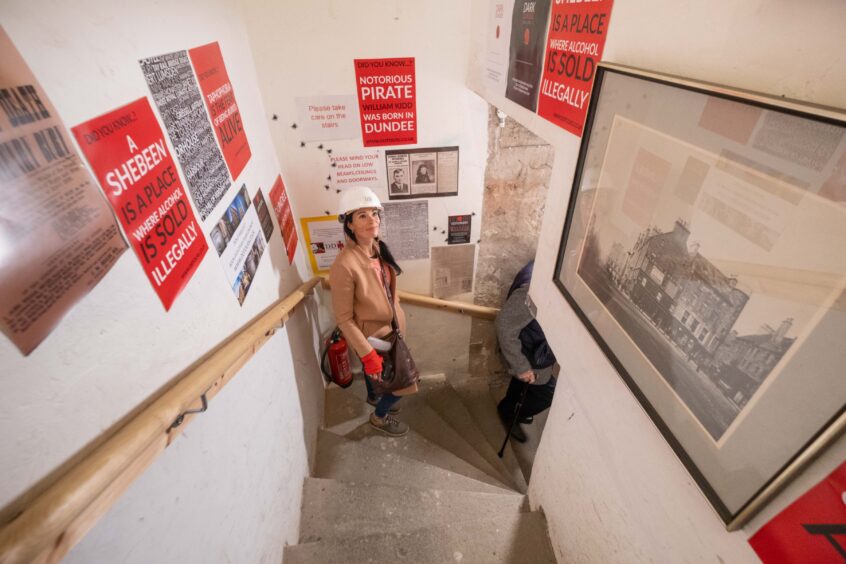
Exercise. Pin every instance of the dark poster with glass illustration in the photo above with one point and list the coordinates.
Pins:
(526, 51)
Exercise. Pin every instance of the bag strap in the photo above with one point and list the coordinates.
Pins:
(394, 324)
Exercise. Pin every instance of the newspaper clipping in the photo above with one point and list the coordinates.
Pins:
(452, 270)
(57, 234)
(422, 173)
(405, 227)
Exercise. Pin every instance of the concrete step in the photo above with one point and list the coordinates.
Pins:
(447, 403)
(476, 397)
(426, 422)
(336, 510)
(347, 408)
(417, 447)
(341, 459)
(511, 538)
(345, 404)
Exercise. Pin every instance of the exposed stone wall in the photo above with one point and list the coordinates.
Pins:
(516, 184)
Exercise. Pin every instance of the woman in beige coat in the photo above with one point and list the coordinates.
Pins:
(359, 297)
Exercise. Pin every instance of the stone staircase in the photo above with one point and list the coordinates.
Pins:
(438, 494)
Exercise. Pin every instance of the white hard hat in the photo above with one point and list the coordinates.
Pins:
(356, 198)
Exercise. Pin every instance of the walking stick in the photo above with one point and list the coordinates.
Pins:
(516, 417)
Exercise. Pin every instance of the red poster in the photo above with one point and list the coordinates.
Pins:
(220, 101)
(387, 100)
(811, 529)
(574, 46)
(282, 207)
(127, 151)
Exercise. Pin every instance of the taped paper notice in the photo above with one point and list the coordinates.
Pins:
(405, 228)
(354, 168)
(321, 118)
(452, 270)
(324, 237)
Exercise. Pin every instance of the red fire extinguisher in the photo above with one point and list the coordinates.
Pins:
(335, 348)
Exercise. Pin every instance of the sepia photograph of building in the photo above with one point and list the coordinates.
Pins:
(682, 312)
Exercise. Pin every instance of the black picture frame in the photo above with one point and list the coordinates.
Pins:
(664, 159)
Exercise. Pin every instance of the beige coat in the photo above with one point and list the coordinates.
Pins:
(358, 298)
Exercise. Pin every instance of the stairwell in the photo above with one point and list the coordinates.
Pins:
(438, 494)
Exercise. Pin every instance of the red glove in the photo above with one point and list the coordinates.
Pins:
(372, 363)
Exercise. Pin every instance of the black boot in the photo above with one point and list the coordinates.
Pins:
(507, 418)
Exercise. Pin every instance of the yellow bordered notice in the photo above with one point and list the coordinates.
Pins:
(324, 237)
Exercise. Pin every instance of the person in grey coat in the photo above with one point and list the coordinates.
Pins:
(529, 358)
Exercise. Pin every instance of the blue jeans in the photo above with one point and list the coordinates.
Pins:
(385, 403)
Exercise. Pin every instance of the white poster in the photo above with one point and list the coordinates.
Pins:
(320, 118)
(497, 35)
(324, 237)
(452, 270)
(356, 168)
(239, 241)
(405, 228)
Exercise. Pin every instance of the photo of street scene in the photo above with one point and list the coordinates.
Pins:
(701, 250)
(714, 266)
(682, 312)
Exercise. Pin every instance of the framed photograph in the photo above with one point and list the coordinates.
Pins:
(703, 250)
(422, 172)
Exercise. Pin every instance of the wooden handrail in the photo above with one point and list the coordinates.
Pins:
(54, 519)
(473, 310)
(59, 516)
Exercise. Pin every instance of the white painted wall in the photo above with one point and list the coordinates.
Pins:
(307, 49)
(610, 485)
(228, 490)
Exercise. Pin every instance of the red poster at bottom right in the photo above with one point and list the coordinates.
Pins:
(811, 529)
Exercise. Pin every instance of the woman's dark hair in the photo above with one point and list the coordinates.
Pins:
(384, 251)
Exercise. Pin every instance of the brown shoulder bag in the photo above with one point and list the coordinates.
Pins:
(399, 373)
